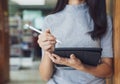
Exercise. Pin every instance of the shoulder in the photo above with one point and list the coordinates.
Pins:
(54, 17)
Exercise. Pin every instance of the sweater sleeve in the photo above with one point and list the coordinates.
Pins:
(46, 23)
(106, 41)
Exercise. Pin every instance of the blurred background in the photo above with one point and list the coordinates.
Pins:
(20, 54)
(25, 54)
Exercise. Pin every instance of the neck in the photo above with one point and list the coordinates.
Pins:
(75, 2)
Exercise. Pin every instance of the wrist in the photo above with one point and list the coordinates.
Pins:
(51, 50)
(46, 56)
(80, 67)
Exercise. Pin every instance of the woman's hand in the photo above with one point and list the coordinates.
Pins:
(72, 61)
(105, 68)
(47, 41)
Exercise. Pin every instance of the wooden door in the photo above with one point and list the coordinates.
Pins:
(109, 12)
(1, 46)
(117, 42)
(1, 49)
(4, 42)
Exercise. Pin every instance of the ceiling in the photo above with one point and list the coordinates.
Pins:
(48, 4)
(14, 7)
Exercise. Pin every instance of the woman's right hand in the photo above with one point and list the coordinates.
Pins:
(47, 41)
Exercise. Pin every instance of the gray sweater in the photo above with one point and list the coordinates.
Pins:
(71, 26)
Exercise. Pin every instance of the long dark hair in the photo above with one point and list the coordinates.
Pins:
(97, 10)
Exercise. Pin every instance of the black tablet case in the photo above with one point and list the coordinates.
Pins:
(89, 56)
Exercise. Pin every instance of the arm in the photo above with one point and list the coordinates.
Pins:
(105, 69)
(102, 70)
(47, 42)
(46, 67)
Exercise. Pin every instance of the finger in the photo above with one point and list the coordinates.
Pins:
(47, 38)
(47, 47)
(41, 38)
(53, 42)
(51, 38)
(56, 59)
(59, 60)
(46, 43)
(47, 31)
(52, 58)
(72, 56)
(56, 56)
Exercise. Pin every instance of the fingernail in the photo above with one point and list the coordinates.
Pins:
(72, 54)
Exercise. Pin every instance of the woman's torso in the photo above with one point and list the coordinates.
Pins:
(71, 26)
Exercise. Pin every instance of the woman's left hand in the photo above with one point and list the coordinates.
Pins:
(72, 61)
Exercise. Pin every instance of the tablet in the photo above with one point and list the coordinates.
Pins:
(89, 56)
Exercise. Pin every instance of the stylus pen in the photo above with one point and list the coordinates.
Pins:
(28, 26)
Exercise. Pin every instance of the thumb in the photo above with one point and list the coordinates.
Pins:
(72, 56)
(47, 31)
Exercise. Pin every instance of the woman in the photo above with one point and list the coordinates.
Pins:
(77, 23)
